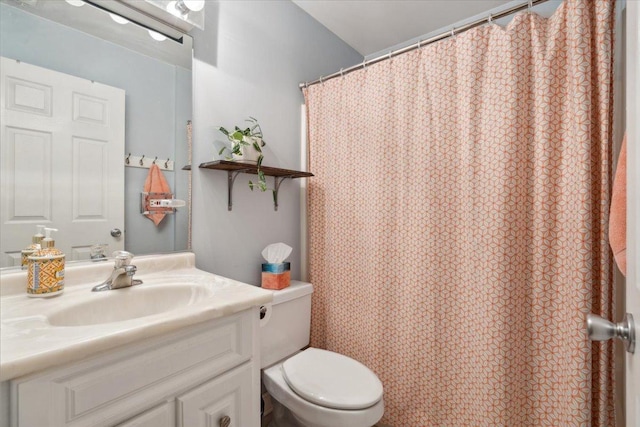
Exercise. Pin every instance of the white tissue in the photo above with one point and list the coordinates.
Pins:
(276, 253)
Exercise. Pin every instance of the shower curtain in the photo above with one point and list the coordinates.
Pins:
(457, 222)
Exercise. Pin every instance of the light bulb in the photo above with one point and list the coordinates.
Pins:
(194, 5)
(76, 3)
(119, 19)
(172, 8)
(157, 36)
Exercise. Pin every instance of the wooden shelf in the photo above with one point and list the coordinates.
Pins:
(227, 165)
(235, 168)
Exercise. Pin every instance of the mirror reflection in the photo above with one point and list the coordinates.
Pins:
(75, 106)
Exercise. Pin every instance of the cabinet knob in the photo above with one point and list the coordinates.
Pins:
(225, 421)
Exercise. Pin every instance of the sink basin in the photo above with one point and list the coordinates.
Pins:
(128, 303)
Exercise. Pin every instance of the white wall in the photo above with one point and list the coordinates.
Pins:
(248, 62)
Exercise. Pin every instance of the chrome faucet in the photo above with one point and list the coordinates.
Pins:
(122, 274)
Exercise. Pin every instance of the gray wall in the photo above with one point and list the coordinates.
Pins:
(248, 62)
(154, 126)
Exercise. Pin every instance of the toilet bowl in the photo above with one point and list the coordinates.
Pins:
(312, 387)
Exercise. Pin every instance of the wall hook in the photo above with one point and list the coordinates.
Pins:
(141, 160)
(154, 160)
(166, 164)
(127, 159)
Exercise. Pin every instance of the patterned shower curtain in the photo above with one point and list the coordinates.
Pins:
(457, 222)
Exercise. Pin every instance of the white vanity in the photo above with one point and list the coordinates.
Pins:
(181, 349)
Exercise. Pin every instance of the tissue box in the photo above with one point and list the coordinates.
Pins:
(276, 276)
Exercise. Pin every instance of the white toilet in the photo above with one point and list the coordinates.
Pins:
(313, 387)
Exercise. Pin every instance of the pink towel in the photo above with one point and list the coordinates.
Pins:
(618, 214)
(156, 183)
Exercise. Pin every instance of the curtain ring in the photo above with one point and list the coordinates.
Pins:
(341, 72)
(141, 160)
(419, 44)
(453, 32)
(166, 164)
(321, 80)
(530, 5)
(490, 19)
(154, 160)
(389, 57)
(127, 159)
(364, 63)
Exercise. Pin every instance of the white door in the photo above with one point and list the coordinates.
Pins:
(62, 147)
(633, 208)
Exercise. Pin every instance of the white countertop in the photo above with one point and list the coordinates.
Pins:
(28, 343)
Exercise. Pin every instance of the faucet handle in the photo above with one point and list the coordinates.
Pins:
(122, 258)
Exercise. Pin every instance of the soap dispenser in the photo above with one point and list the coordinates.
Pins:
(45, 274)
(34, 246)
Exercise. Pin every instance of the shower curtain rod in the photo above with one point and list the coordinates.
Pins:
(527, 5)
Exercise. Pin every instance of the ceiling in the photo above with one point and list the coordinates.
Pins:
(371, 26)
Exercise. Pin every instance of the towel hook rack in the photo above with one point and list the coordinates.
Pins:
(146, 162)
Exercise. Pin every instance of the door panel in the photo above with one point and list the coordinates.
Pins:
(227, 396)
(62, 160)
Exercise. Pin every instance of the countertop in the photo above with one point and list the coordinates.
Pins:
(29, 343)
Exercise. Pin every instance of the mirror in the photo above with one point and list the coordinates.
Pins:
(154, 76)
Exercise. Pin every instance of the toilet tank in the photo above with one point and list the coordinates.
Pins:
(286, 326)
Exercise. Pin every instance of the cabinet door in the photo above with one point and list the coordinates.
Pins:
(229, 395)
(160, 416)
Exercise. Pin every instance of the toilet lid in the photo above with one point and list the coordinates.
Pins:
(332, 380)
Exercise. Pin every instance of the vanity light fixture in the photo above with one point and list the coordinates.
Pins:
(172, 8)
(181, 14)
(187, 6)
(181, 8)
(76, 3)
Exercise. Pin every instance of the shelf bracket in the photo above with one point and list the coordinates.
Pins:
(276, 186)
(231, 177)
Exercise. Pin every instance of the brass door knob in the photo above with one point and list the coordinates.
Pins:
(225, 421)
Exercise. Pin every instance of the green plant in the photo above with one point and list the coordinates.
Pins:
(241, 139)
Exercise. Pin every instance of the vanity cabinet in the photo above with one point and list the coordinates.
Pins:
(191, 377)
(160, 416)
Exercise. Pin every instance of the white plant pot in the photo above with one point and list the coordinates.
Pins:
(249, 153)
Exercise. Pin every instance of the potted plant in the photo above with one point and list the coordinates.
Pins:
(246, 147)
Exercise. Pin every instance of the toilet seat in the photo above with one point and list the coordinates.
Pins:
(332, 380)
(311, 415)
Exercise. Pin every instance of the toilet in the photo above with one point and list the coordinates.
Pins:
(311, 387)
